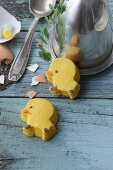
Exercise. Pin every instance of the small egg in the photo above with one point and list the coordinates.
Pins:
(7, 31)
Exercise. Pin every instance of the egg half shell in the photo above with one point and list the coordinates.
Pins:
(8, 20)
(6, 55)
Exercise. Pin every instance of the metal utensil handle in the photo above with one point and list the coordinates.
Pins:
(20, 62)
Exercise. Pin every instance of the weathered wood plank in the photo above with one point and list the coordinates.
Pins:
(97, 86)
(84, 140)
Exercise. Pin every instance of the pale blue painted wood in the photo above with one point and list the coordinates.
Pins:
(84, 140)
(97, 86)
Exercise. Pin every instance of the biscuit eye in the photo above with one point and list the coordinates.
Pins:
(56, 71)
(31, 107)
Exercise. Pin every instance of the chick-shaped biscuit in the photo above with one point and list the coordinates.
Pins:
(40, 117)
(64, 76)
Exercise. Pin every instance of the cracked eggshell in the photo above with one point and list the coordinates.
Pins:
(6, 19)
(6, 55)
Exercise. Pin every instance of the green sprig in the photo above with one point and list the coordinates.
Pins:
(44, 34)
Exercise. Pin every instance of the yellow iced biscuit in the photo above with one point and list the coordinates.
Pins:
(7, 33)
(73, 53)
(64, 76)
(40, 117)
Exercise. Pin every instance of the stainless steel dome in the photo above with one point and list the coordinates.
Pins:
(90, 20)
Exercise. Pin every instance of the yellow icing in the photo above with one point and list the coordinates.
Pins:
(41, 116)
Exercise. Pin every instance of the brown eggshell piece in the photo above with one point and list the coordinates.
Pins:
(40, 78)
(31, 94)
(6, 54)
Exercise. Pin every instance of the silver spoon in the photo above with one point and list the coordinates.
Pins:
(39, 8)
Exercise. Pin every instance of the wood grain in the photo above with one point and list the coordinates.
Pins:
(84, 140)
(96, 86)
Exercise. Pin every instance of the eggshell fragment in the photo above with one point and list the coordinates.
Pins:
(2, 79)
(40, 78)
(33, 67)
(8, 21)
(6, 55)
(31, 94)
(34, 82)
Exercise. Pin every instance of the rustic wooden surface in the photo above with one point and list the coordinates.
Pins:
(85, 128)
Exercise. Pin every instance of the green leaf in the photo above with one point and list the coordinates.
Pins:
(51, 7)
(42, 39)
(47, 21)
(45, 55)
(61, 8)
(42, 32)
(46, 33)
